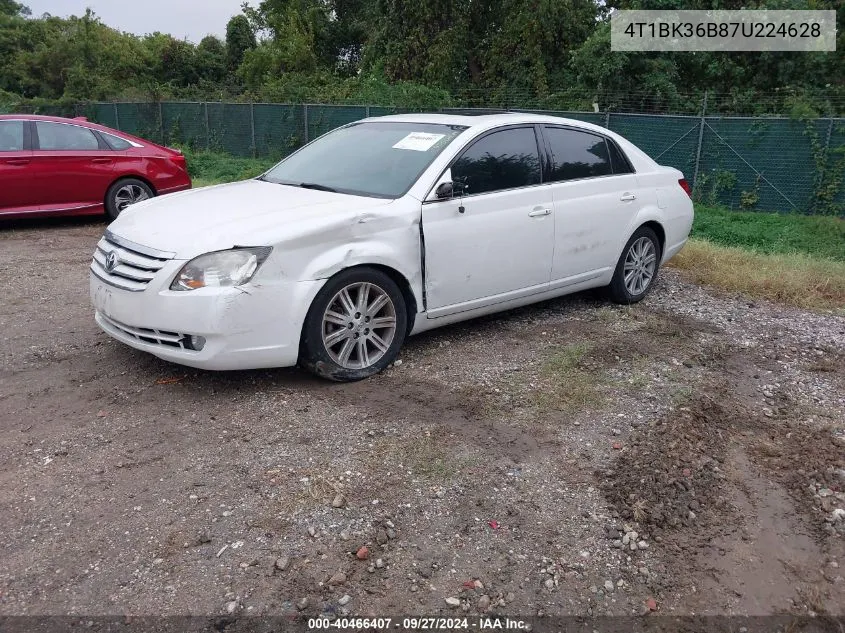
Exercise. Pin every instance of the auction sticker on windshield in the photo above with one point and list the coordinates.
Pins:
(418, 141)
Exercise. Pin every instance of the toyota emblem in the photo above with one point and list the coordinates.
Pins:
(112, 261)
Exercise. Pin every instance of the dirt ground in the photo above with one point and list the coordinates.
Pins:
(503, 467)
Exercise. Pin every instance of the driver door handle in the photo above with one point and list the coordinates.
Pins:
(538, 212)
(627, 197)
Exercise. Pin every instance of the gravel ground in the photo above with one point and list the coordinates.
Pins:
(681, 456)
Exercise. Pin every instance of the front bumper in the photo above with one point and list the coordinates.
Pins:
(254, 326)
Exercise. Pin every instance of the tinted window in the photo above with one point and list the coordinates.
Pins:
(372, 159)
(58, 136)
(577, 154)
(502, 160)
(11, 136)
(117, 144)
(618, 160)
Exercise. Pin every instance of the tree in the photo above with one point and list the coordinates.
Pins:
(240, 38)
(551, 54)
(211, 59)
(475, 46)
(12, 8)
(173, 61)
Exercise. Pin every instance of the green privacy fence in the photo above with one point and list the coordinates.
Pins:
(770, 164)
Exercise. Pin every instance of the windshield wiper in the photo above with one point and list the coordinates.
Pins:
(303, 185)
(318, 187)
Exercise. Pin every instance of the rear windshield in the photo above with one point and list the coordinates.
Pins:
(378, 159)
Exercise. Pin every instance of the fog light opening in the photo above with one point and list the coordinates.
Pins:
(194, 342)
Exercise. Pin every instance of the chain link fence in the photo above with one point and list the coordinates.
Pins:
(766, 164)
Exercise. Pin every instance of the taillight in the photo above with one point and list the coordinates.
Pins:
(685, 186)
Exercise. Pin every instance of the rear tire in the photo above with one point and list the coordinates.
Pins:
(637, 268)
(355, 326)
(124, 193)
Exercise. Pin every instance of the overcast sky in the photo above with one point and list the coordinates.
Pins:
(192, 19)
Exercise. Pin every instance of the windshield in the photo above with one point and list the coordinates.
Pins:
(379, 159)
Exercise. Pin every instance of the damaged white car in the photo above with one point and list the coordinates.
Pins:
(383, 228)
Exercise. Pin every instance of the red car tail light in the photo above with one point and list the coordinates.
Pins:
(685, 186)
(180, 161)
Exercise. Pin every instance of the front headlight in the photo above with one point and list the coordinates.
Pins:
(221, 269)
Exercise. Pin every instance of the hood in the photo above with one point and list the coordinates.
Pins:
(248, 213)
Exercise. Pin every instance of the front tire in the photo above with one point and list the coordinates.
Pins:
(124, 193)
(355, 326)
(636, 270)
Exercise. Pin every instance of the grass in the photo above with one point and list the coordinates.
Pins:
(568, 386)
(205, 182)
(426, 456)
(772, 233)
(790, 258)
(797, 279)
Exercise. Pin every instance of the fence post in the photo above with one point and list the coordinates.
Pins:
(305, 120)
(116, 116)
(827, 140)
(161, 122)
(252, 126)
(700, 140)
(207, 130)
(367, 112)
(607, 120)
(819, 176)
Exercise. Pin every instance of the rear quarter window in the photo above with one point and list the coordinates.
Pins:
(620, 162)
(115, 142)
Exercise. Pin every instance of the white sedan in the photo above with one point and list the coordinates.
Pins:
(384, 228)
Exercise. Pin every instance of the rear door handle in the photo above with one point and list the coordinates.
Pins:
(538, 212)
(101, 161)
(18, 161)
(627, 197)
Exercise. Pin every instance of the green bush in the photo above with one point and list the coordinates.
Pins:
(213, 167)
(9, 102)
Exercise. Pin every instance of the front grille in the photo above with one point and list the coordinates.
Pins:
(134, 267)
(147, 335)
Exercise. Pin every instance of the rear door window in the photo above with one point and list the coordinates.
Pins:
(63, 137)
(577, 154)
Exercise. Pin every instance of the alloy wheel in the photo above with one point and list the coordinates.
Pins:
(359, 325)
(128, 195)
(640, 266)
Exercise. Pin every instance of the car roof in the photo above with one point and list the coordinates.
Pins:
(486, 121)
(82, 121)
(476, 124)
(42, 117)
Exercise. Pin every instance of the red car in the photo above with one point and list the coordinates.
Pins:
(55, 166)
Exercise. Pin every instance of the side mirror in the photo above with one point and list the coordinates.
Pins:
(444, 191)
